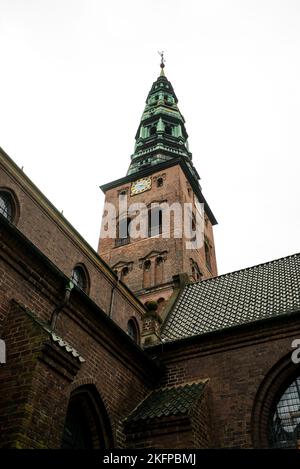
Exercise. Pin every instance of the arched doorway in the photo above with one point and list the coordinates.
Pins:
(87, 425)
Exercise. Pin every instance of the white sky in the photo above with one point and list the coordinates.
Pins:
(74, 78)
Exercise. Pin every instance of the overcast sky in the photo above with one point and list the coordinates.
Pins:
(74, 78)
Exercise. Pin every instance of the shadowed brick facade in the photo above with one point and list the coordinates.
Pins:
(88, 365)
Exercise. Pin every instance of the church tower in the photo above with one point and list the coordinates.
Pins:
(161, 173)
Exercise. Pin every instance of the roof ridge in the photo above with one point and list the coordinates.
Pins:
(181, 385)
(244, 269)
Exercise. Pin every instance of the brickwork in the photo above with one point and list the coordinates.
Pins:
(247, 367)
(33, 389)
(156, 282)
(50, 232)
(236, 365)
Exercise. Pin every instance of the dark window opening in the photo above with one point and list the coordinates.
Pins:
(79, 278)
(196, 273)
(132, 330)
(123, 232)
(285, 422)
(168, 129)
(193, 223)
(147, 265)
(124, 272)
(160, 182)
(6, 206)
(159, 260)
(207, 255)
(155, 219)
(153, 130)
(86, 425)
(76, 434)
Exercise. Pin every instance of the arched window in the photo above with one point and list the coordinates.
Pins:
(160, 182)
(196, 272)
(153, 130)
(7, 208)
(147, 274)
(207, 255)
(123, 232)
(77, 434)
(168, 129)
(159, 269)
(79, 278)
(133, 330)
(124, 272)
(285, 422)
(87, 425)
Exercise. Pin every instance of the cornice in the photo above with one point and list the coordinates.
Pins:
(159, 167)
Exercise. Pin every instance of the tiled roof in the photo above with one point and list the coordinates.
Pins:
(240, 297)
(167, 401)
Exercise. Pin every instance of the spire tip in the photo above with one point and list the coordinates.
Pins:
(162, 62)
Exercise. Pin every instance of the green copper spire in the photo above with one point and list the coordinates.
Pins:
(162, 63)
(161, 134)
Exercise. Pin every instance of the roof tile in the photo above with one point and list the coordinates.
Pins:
(240, 297)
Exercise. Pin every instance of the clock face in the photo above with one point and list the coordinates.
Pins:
(141, 185)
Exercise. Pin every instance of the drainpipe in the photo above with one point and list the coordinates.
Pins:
(69, 287)
(112, 297)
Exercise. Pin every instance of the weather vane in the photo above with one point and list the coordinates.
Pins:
(162, 63)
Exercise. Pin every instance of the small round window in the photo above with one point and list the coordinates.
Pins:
(6, 205)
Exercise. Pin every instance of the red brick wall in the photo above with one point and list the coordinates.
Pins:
(51, 233)
(33, 393)
(177, 257)
(236, 366)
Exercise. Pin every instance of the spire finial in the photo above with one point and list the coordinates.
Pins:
(162, 62)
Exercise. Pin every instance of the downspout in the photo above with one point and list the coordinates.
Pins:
(112, 298)
(69, 287)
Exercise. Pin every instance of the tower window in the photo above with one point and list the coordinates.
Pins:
(124, 272)
(153, 130)
(159, 260)
(196, 273)
(155, 221)
(207, 255)
(160, 182)
(123, 232)
(6, 205)
(168, 129)
(147, 265)
(79, 278)
(193, 223)
(133, 330)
